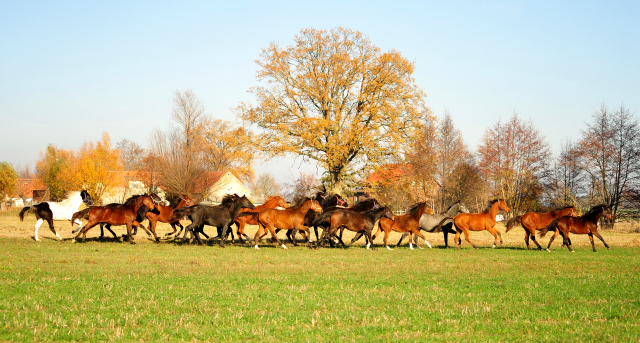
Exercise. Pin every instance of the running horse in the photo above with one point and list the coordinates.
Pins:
(124, 214)
(354, 221)
(272, 202)
(465, 222)
(532, 221)
(409, 222)
(63, 210)
(587, 224)
(292, 218)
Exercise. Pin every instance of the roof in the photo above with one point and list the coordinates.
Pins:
(27, 186)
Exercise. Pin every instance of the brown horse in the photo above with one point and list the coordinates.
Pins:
(288, 219)
(409, 222)
(587, 224)
(272, 202)
(165, 214)
(465, 222)
(124, 214)
(360, 222)
(532, 221)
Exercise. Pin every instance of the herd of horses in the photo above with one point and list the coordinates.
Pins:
(324, 210)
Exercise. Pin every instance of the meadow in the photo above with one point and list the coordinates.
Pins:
(109, 290)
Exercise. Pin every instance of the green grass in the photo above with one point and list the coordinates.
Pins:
(149, 292)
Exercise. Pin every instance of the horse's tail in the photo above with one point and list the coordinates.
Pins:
(83, 214)
(439, 228)
(181, 212)
(321, 219)
(23, 211)
(254, 215)
(551, 226)
(513, 222)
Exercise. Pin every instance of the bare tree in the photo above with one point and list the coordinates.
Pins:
(265, 186)
(131, 154)
(305, 185)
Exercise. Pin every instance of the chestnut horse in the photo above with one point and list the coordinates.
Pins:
(272, 202)
(354, 221)
(532, 221)
(124, 214)
(465, 222)
(587, 224)
(409, 222)
(165, 214)
(291, 218)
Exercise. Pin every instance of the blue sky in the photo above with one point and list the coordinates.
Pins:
(70, 70)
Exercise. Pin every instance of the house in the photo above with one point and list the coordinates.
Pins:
(127, 184)
(30, 191)
(223, 183)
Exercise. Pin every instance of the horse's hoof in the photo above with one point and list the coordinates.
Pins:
(257, 247)
(573, 251)
(493, 247)
(284, 247)
(548, 250)
(389, 249)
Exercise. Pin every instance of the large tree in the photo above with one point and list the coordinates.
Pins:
(8, 180)
(335, 98)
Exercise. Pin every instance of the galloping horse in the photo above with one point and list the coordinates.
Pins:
(327, 201)
(532, 221)
(466, 222)
(409, 222)
(64, 210)
(124, 214)
(430, 223)
(165, 214)
(272, 202)
(354, 221)
(291, 218)
(587, 224)
(220, 216)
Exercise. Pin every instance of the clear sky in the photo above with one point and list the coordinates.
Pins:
(72, 69)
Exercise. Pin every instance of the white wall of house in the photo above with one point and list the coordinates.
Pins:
(228, 184)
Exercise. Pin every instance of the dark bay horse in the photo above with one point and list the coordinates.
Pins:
(586, 224)
(124, 214)
(409, 222)
(292, 218)
(466, 222)
(532, 221)
(327, 201)
(49, 210)
(361, 222)
(430, 223)
(220, 216)
(272, 202)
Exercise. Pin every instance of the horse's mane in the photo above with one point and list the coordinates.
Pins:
(363, 204)
(132, 199)
(229, 198)
(563, 208)
(455, 203)
(300, 201)
(173, 202)
(595, 209)
(70, 196)
(415, 207)
(273, 197)
(491, 202)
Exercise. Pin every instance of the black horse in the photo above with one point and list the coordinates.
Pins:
(219, 216)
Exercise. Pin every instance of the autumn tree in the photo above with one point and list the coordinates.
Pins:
(305, 185)
(335, 98)
(8, 181)
(48, 167)
(609, 152)
(513, 160)
(228, 147)
(265, 186)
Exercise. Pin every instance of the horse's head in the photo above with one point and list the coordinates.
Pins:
(428, 210)
(573, 212)
(340, 201)
(245, 202)
(147, 201)
(185, 201)
(156, 199)
(387, 213)
(607, 213)
(462, 208)
(503, 205)
(315, 206)
(281, 202)
(86, 198)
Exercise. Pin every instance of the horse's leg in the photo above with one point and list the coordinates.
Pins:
(404, 235)
(129, 228)
(417, 234)
(533, 238)
(494, 232)
(108, 227)
(597, 234)
(593, 244)
(292, 239)
(555, 234)
(456, 239)
(566, 241)
(367, 234)
(446, 238)
(468, 239)
(526, 237)
(84, 231)
(386, 239)
(152, 227)
(50, 222)
(359, 235)
(223, 238)
(274, 235)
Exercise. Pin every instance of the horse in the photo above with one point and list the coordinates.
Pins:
(272, 202)
(354, 221)
(430, 223)
(124, 214)
(532, 221)
(486, 220)
(292, 218)
(142, 211)
(586, 224)
(63, 210)
(409, 222)
(327, 201)
(165, 213)
(221, 216)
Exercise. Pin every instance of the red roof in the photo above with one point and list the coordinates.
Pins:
(25, 187)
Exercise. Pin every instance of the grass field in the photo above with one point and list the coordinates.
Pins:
(169, 291)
